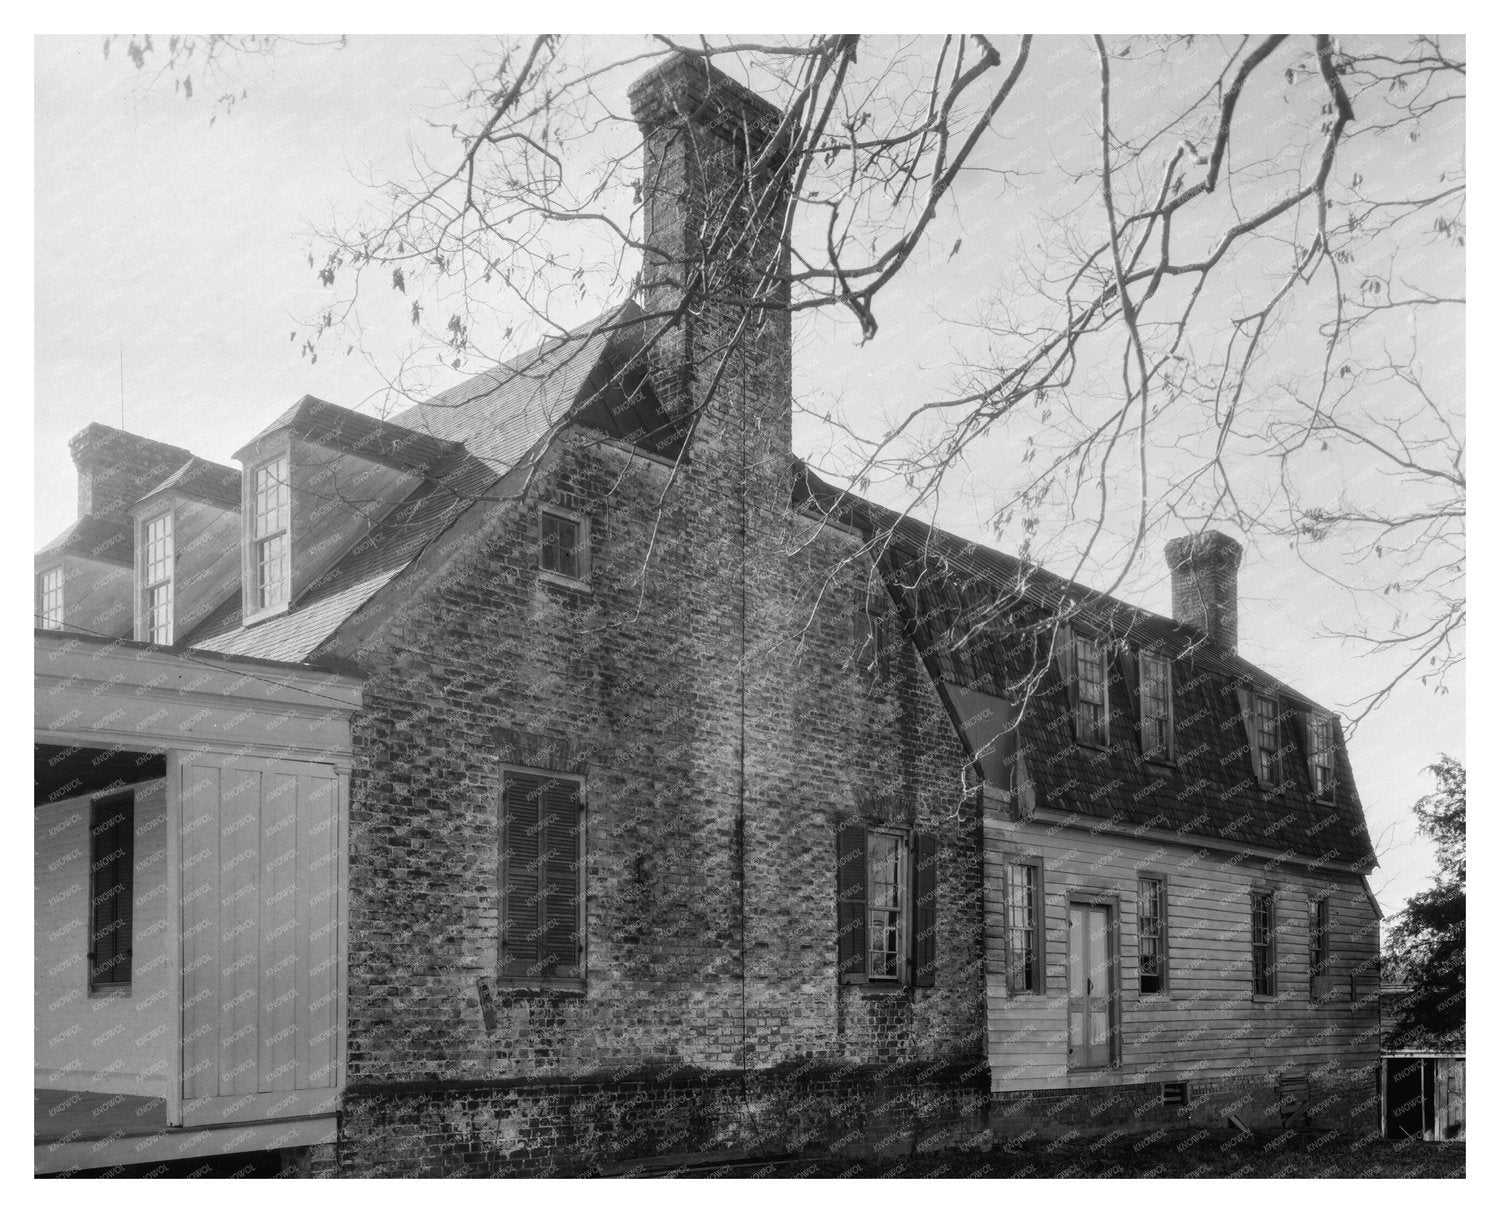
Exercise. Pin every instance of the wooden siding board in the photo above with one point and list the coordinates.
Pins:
(319, 1018)
(277, 1025)
(1208, 1025)
(201, 931)
(239, 968)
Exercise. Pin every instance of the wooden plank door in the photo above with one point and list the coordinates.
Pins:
(1091, 981)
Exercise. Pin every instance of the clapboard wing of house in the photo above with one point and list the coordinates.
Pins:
(558, 774)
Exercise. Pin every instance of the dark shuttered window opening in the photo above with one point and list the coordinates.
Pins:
(1151, 932)
(1318, 954)
(111, 892)
(887, 906)
(541, 879)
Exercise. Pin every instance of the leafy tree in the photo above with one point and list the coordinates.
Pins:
(1426, 944)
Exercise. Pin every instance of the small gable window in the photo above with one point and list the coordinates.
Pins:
(270, 520)
(563, 550)
(887, 905)
(1266, 741)
(872, 637)
(1156, 707)
(49, 598)
(1093, 693)
(156, 576)
(1320, 754)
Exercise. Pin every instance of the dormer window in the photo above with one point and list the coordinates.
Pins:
(49, 598)
(1093, 693)
(1156, 707)
(564, 546)
(270, 518)
(156, 588)
(1320, 754)
(1266, 741)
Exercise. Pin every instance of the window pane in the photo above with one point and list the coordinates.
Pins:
(1151, 931)
(1023, 920)
(1156, 698)
(50, 593)
(271, 571)
(886, 905)
(1262, 932)
(273, 498)
(1091, 693)
(560, 545)
(1266, 743)
(159, 614)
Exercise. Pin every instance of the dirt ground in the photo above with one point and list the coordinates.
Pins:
(1205, 1155)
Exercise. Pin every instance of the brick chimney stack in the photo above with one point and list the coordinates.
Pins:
(712, 226)
(116, 468)
(1205, 585)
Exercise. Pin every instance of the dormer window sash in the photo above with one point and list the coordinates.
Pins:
(270, 522)
(49, 593)
(1157, 742)
(1093, 693)
(1267, 741)
(156, 578)
(1320, 754)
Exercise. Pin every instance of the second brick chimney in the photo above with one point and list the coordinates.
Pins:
(116, 468)
(1205, 585)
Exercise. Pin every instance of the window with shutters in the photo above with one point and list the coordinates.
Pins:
(1263, 943)
(111, 893)
(1025, 929)
(887, 906)
(156, 579)
(1151, 933)
(1156, 707)
(872, 638)
(1093, 693)
(270, 524)
(564, 556)
(541, 878)
(49, 598)
(1320, 754)
(1318, 953)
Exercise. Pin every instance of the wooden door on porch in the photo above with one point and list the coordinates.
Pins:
(1091, 986)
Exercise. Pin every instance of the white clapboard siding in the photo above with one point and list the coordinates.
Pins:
(261, 905)
(1209, 1025)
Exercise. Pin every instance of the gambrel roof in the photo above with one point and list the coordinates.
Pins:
(987, 621)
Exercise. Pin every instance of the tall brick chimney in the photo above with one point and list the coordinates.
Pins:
(116, 467)
(1205, 585)
(712, 228)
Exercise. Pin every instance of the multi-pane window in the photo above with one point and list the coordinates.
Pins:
(1318, 945)
(1024, 927)
(157, 575)
(111, 892)
(49, 596)
(1263, 943)
(1151, 931)
(886, 906)
(1267, 741)
(561, 545)
(541, 877)
(1093, 694)
(1156, 707)
(1320, 754)
(271, 514)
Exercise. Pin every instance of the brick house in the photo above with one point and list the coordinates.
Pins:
(559, 775)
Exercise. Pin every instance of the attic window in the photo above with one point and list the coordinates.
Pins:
(872, 637)
(49, 595)
(270, 519)
(1156, 707)
(156, 572)
(1320, 754)
(1093, 694)
(564, 535)
(1266, 741)
(1174, 1094)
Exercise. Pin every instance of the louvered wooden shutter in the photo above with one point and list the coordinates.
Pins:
(561, 880)
(924, 910)
(112, 892)
(1130, 679)
(521, 876)
(851, 895)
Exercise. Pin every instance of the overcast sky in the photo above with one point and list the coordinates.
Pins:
(179, 248)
